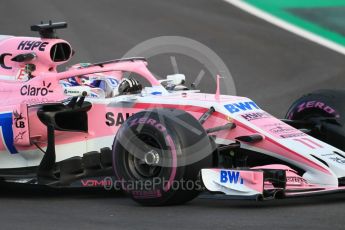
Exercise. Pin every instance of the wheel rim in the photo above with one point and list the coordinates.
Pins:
(145, 165)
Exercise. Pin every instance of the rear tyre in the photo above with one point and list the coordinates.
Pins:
(324, 112)
(158, 154)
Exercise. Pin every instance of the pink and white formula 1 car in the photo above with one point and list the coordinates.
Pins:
(92, 126)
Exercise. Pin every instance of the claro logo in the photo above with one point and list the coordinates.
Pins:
(28, 90)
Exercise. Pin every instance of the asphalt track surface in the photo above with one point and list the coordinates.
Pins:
(269, 65)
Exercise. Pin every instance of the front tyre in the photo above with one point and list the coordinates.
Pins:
(324, 112)
(158, 154)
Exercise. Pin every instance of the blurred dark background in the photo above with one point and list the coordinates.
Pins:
(268, 64)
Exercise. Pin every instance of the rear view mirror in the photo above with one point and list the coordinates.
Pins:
(176, 79)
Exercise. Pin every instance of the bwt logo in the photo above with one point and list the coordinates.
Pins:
(241, 106)
(231, 177)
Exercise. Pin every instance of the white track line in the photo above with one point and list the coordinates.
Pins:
(287, 26)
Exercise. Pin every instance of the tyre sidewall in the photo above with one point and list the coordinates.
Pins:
(171, 187)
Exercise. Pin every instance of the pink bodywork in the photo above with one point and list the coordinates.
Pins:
(45, 87)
